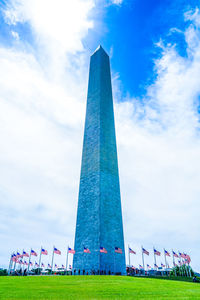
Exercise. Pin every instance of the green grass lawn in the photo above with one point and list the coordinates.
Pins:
(95, 287)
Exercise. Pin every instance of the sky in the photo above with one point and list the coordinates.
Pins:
(154, 48)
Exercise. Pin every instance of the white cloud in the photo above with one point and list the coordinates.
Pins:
(159, 152)
(15, 35)
(42, 108)
(116, 2)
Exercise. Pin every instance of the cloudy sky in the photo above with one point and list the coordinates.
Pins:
(154, 46)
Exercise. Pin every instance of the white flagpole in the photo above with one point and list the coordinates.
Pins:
(142, 256)
(67, 257)
(40, 258)
(174, 262)
(189, 270)
(15, 261)
(154, 258)
(180, 265)
(129, 258)
(29, 261)
(186, 270)
(52, 259)
(165, 259)
(22, 262)
(10, 263)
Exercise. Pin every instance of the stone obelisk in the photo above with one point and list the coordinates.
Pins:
(99, 215)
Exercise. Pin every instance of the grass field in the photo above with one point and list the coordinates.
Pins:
(95, 287)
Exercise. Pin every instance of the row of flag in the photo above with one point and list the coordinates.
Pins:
(166, 253)
(183, 257)
(56, 251)
(158, 253)
(18, 258)
(102, 250)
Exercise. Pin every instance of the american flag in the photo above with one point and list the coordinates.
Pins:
(181, 255)
(30, 263)
(175, 265)
(25, 254)
(167, 253)
(43, 251)
(175, 254)
(103, 250)
(133, 267)
(131, 251)
(21, 262)
(163, 266)
(118, 250)
(141, 267)
(18, 255)
(36, 264)
(145, 251)
(70, 250)
(57, 251)
(188, 258)
(70, 267)
(86, 250)
(49, 266)
(155, 265)
(33, 252)
(26, 263)
(14, 257)
(148, 266)
(63, 266)
(156, 252)
(56, 266)
(42, 265)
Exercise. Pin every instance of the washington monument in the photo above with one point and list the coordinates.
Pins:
(99, 216)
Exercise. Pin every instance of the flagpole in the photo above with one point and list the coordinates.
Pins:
(40, 259)
(22, 262)
(29, 260)
(9, 267)
(10, 264)
(154, 258)
(67, 257)
(52, 259)
(189, 269)
(180, 263)
(186, 270)
(174, 262)
(129, 256)
(165, 259)
(142, 257)
(15, 261)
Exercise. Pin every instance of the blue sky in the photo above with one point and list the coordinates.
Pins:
(154, 48)
(142, 24)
